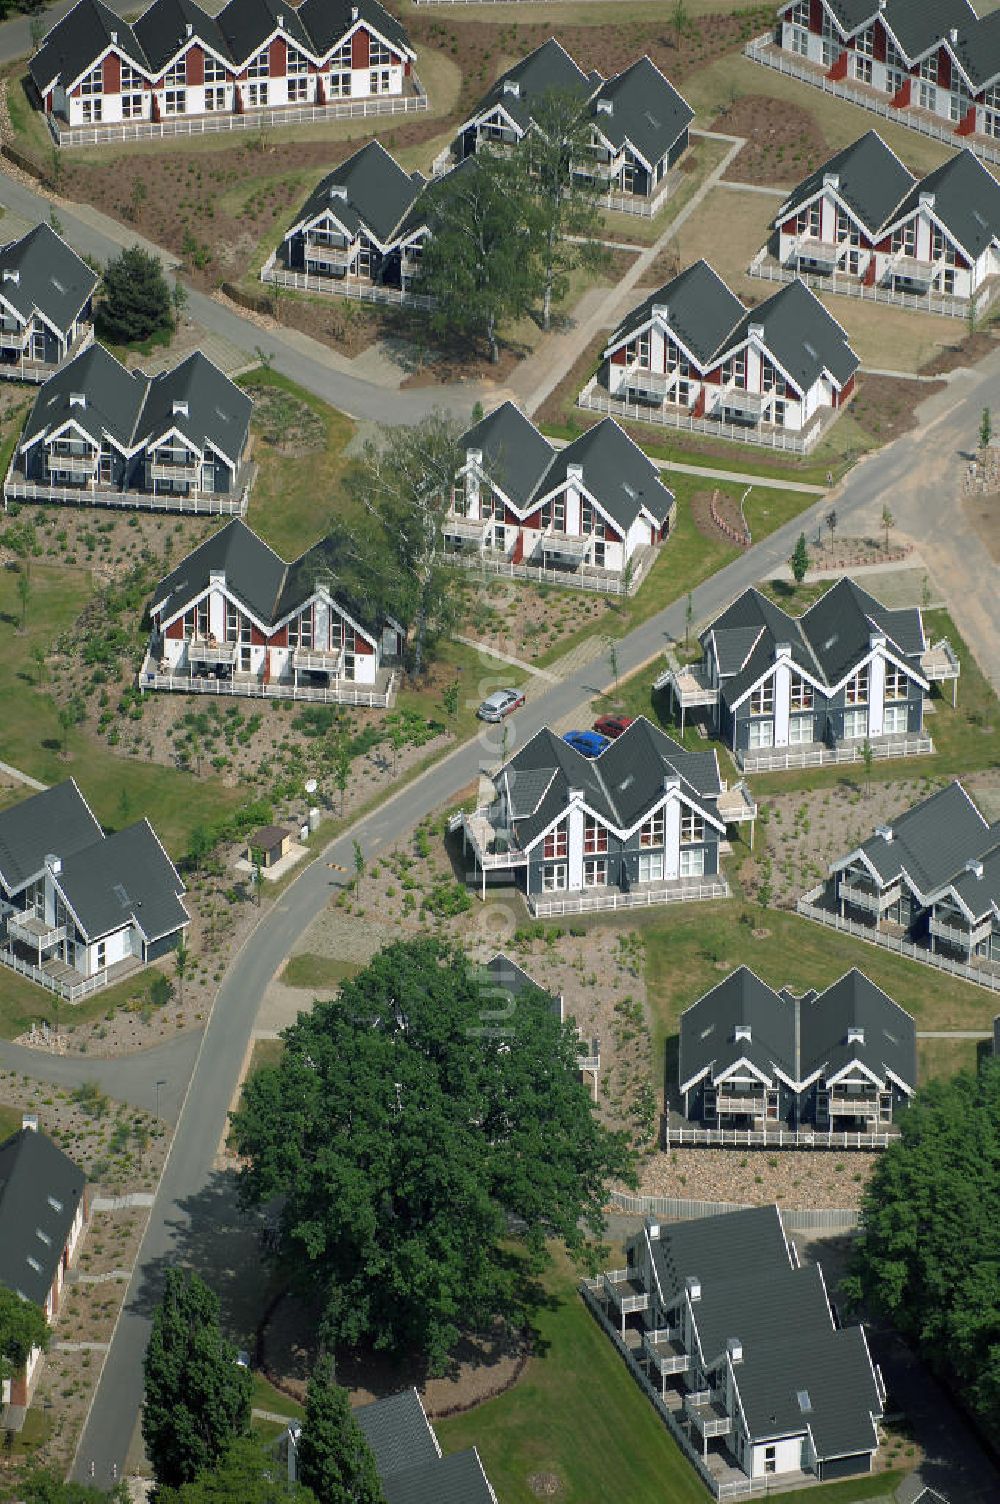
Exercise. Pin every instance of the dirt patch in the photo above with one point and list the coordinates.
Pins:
(784, 141)
(527, 620)
(981, 512)
(727, 508)
(964, 352)
(792, 1177)
(885, 406)
(118, 1147)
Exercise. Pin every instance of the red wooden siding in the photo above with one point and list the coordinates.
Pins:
(359, 49)
(175, 629)
(195, 66)
(879, 42)
(278, 56)
(944, 68)
(619, 357)
(257, 637)
(112, 73)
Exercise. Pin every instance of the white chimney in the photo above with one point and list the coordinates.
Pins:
(54, 864)
(831, 180)
(189, 29)
(11, 274)
(180, 408)
(670, 781)
(281, 20)
(975, 866)
(742, 1032)
(511, 86)
(855, 1035)
(652, 1228)
(474, 456)
(885, 831)
(927, 201)
(114, 36)
(876, 639)
(756, 331)
(735, 1349)
(953, 35)
(354, 12)
(782, 650)
(605, 107)
(338, 190)
(29, 1120)
(77, 399)
(575, 794)
(574, 472)
(662, 311)
(693, 1286)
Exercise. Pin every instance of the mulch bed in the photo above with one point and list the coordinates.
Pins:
(727, 508)
(784, 142)
(965, 352)
(885, 406)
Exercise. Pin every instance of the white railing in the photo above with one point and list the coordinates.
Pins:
(763, 49)
(593, 902)
(212, 124)
(774, 1138)
(167, 470)
(849, 287)
(76, 464)
(38, 371)
(256, 689)
(770, 759)
(19, 925)
(342, 287)
(862, 898)
(680, 1209)
(69, 993)
(206, 505)
(577, 579)
(764, 438)
(808, 907)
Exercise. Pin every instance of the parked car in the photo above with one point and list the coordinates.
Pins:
(500, 703)
(613, 725)
(590, 743)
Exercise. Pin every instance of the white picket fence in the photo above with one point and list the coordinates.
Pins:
(810, 755)
(763, 49)
(595, 902)
(212, 505)
(763, 438)
(208, 125)
(808, 906)
(603, 584)
(845, 286)
(69, 993)
(256, 689)
(342, 287)
(776, 1138)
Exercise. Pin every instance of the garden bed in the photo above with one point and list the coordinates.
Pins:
(784, 141)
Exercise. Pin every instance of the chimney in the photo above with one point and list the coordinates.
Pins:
(338, 190)
(188, 29)
(180, 408)
(855, 1035)
(114, 36)
(574, 472)
(670, 781)
(953, 35)
(927, 201)
(54, 864)
(975, 866)
(734, 1347)
(876, 640)
(782, 650)
(831, 180)
(756, 331)
(742, 1032)
(29, 1120)
(693, 1286)
(662, 311)
(11, 274)
(605, 107)
(474, 456)
(652, 1228)
(511, 86)
(77, 399)
(281, 20)
(885, 831)
(575, 794)
(354, 12)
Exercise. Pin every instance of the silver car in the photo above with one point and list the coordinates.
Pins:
(500, 703)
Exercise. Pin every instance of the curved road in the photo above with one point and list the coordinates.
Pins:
(192, 1214)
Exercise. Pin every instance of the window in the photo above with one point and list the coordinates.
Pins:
(342, 57)
(340, 85)
(798, 41)
(300, 630)
(130, 79)
(379, 55)
(92, 110)
(905, 238)
(595, 873)
(215, 99)
(215, 72)
(927, 96)
(896, 720)
(554, 877)
(762, 698)
(176, 76)
(202, 618)
(557, 841)
(855, 725)
(256, 95)
(929, 69)
(459, 498)
(298, 89)
(693, 862)
(800, 729)
(297, 64)
(864, 42)
(175, 102)
(959, 101)
(378, 81)
(896, 683)
(734, 370)
(799, 14)
(595, 835)
(102, 955)
(692, 826)
(801, 695)
(770, 1459)
(652, 832)
(132, 107)
(642, 351)
(233, 623)
(862, 68)
(93, 83)
(651, 867)
(259, 66)
(857, 688)
(761, 734)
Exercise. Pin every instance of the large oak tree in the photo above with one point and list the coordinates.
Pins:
(409, 1126)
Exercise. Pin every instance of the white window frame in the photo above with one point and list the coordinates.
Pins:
(651, 866)
(215, 71)
(379, 55)
(801, 729)
(595, 872)
(215, 99)
(761, 734)
(896, 718)
(554, 877)
(856, 724)
(339, 86)
(93, 84)
(175, 102)
(692, 862)
(260, 66)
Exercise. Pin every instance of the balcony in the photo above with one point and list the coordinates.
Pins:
(330, 255)
(745, 1106)
(641, 378)
(625, 1290)
(665, 1351)
(735, 399)
(30, 928)
(689, 685)
(168, 470)
(13, 339)
(71, 464)
(957, 932)
(561, 546)
(865, 899)
(212, 654)
(469, 531)
(819, 252)
(913, 269)
(706, 1412)
(496, 848)
(318, 660)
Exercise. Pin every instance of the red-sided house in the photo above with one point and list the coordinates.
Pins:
(43, 1212)
(93, 68)
(235, 618)
(693, 349)
(863, 216)
(592, 509)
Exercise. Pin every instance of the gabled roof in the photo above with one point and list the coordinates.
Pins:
(698, 307)
(619, 786)
(124, 876)
(247, 25)
(888, 1038)
(549, 67)
(408, 1458)
(508, 977)
(802, 336)
(977, 49)
(56, 822)
(646, 110)
(377, 194)
(162, 31)
(76, 41)
(49, 277)
(966, 201)
(708, 1029)
(113, 398)
(526, 466)
(852, 13)
(326, 21)
(932, 841)
(918, 24)
(40, 1191)
(826, 642)
(977, 886)
(456, 1479)
(871, 182)
(218, 411)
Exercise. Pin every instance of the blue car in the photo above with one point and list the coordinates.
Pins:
(590, 743)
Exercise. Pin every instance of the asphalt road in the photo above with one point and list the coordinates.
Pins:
(130, 1079)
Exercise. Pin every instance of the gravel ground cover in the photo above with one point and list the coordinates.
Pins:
(792, 1177)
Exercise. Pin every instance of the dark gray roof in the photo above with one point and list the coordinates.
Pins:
(218, 411)
(40, 1190)
(549, 67)
(646, 110)
(826, 642)
(978, 49)
(57, 822)
(526, 466)
(853, 13)
(803, 337)
(161, 31)
(506, 974)
(122, 877)
(247, 24)
(50, 277)
(966, 201)
(327, 21)
(398, 1432)
(456, 1479)
(132, 408)
(619, 785)
(932, 841)
(889, 1040)
(77, 39)
(707, 1029)
(872, 182)
(978, 886)
(780, 1315)
(918, 24)
(700, 309)
(378, 194)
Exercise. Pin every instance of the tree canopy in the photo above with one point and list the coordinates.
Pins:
(46, 1486)
(404, 1125)
(22, 1327)
(246, 1473)
(335, 1460)
(135, 298)
(929, 1256)
(567, 217)
(197, 1395)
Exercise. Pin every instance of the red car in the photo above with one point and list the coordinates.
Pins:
(613, 725)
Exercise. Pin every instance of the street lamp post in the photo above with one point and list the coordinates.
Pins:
(158, 1085)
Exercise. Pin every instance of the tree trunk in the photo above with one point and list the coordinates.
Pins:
(492, 340)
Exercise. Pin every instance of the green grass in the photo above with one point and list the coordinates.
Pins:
(877, 1486)
(946, 1057)
(294, 494)
(264, 1396)
(576, 1413)
(265, 1052)
(22, 1003)
(10, 1121)
(308, 970)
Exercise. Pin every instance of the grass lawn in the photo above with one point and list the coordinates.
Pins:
(265, 1052)
(299, 444)
(10, 1121)
(946, 1057)
(264, 1396)
(576, 1413)
(23, 1003)
(307, 970)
